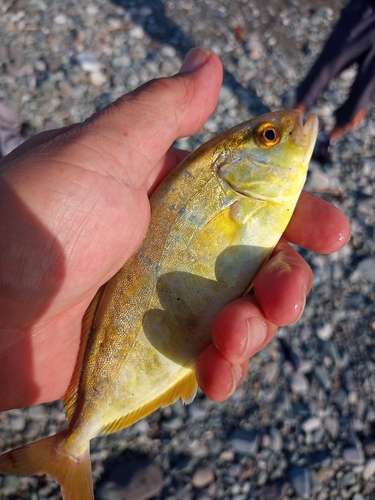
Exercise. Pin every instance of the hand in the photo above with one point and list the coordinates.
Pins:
(248, 324)
(74, 206)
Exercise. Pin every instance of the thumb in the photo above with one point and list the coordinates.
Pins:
(138, 129)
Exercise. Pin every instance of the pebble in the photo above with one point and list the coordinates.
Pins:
(136, 32)
(17, 421)
(203, 477)
(227, 456)
(323, 376)
(277, 440)
(97, 78)
(300, 480)
(332, 426)
(244, 443)
(10, 485)
(354, 455)
(60, 19)
(198, 449)
(197, 411)
(369, 470)
(325, 332)
(311, 424)
(88, 62)
(366, 269)
(299, 383)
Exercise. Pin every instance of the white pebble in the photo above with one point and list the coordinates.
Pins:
(369, 470)
(92, 9)
(299, 383)
(60, 19)
(136, 32)
(311, 424)
(325, 332)
(203, 477)
(97, 78)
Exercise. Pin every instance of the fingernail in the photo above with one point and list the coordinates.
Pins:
(257, 331)
(237, 375)
(300, 305)
(195, 59)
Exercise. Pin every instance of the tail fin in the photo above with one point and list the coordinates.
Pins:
(49, 457)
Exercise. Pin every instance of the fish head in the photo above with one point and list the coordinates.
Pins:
(267, 158)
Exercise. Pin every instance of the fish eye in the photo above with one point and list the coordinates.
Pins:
(267, 135)
(270, 134)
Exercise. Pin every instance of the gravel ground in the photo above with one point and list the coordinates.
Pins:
(302, 425)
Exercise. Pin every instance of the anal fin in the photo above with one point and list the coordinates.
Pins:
(185, 388)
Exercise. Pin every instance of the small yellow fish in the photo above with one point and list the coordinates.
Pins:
(214, 221)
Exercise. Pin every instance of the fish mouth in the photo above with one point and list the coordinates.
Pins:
(310, 133)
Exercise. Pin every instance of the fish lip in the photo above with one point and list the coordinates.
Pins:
(310, 133)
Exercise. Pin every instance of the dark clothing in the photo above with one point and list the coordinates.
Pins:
(351, 41)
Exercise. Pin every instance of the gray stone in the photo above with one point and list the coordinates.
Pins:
(197, 411)
(299, 383)
(97, 78)
(203, 477)
(173, 424)
(137, 32)
(17, 421)
(244, 443)
(10, 485)
(369, 470)
(61, 19)
(275, 490)
(198, 449)
(87, 61)
(349, 479)
(366, 268)
(354, 455)
(262, 478)
(319, 435)
(277, 440)
(325, 332)
(311, 424)
(300, 480)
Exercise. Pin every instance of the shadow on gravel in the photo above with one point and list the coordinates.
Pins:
(151, 15)
(129, 476)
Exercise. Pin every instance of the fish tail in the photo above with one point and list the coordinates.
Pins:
(49, 456)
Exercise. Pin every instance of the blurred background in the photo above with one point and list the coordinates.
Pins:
(302, 425)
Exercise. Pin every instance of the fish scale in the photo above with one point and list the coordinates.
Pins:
(215, 220)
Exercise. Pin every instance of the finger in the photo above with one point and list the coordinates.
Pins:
(281, 286)
(241, 329)
(317, 225)
(216, 376)
(138, 129)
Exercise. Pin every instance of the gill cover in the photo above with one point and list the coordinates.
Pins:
(263, 160)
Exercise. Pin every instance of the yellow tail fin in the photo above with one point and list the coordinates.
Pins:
(48, 457)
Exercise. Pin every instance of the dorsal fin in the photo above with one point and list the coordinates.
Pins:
(70, 398)
(185, 388)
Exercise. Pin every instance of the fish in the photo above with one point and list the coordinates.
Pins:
(215, 220)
